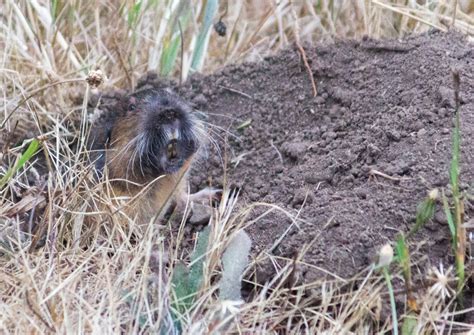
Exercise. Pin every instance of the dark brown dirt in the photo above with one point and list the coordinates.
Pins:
(385, 106)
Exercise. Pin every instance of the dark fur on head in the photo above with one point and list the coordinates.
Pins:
(149, 133)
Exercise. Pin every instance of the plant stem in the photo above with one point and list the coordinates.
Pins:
(392, 299)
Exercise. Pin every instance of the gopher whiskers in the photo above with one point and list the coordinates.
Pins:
(201, 133)
(226, 131)
(120, 153)
(141, 148)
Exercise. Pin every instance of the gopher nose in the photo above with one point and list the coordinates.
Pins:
(170, 114)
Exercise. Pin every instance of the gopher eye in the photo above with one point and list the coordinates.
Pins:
(132, 104)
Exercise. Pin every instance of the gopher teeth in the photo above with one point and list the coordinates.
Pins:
(172, 152)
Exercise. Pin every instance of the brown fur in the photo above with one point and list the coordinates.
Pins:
(150, 201)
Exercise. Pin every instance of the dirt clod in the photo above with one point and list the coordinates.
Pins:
(295, 150)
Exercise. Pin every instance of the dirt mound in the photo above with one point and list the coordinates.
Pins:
(353, 162)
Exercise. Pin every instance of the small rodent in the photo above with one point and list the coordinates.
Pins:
(145, 146)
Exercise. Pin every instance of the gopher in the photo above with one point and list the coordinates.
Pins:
(145, 146)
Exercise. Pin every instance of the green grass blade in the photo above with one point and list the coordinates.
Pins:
(454, 169)
(134, 14)
(25, 157)
(449, 218)
(172, 43)
(244, 124)
(391, 294)
(169, 55)
(203, 37)
(403, 257)
(54, 9)
(459, 239)
(424, 213)
(456, 154)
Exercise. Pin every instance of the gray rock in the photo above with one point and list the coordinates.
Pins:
(200, 214)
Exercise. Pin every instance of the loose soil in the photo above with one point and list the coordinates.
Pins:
(351, 163)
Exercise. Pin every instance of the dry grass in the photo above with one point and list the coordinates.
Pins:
(89, 277)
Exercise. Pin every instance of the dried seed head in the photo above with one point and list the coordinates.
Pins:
(95, 78)
(442, 280)
(385, 255)
(456, 80)
(220, 28)
(433, 195)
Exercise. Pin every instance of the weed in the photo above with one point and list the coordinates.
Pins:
(385, 258)
(456, 221)
(22, 160)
